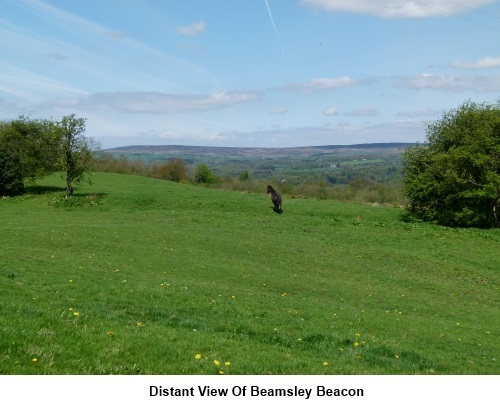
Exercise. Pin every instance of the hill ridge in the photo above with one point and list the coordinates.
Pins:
(252, 151)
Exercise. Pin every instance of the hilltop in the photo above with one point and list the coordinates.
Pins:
(254, 152)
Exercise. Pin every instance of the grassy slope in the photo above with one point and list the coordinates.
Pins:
(159, 272)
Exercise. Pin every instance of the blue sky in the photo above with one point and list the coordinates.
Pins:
(275, 73)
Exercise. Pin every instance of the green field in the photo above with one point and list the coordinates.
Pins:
(139, 276)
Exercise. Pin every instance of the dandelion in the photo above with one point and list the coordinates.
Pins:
(139, 324)
(197, 356)
(71, 309)
(325, 363)
(227, 363)
(111, 334)
(216, 363)
(76, 313)
(356, 344)
(34, 359)
(221, 372)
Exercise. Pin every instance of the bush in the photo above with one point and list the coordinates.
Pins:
(204, 175)
(173, 170)
(454, 179)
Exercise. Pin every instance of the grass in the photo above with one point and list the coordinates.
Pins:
(139, 276)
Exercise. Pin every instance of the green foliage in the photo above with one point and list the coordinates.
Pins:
(204, 175)
(172, 170)
(245, 176)
(11, 179)
(144, 275)
(29, 149)
(455, 178)
(77, 150)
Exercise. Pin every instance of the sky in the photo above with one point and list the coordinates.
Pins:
(247, 73)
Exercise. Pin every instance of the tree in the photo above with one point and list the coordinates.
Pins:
(29, 149)
(172, 170)
(76, 150)
(245, 176)
(454, 179)
(203, 174)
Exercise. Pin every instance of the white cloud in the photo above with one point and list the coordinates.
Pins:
(331, 111)
(484, 63)
(192, 29)
(155, 102)
(279, 110)
(449, 83)
(320, 84)
(397, 8)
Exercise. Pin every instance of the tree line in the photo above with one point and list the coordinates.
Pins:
(452, 179)
(33, 148)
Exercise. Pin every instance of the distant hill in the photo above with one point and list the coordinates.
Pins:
(249, 152)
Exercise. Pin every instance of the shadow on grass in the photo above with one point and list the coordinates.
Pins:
(40, 190)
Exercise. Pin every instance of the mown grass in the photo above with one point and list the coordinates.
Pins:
(138, 276)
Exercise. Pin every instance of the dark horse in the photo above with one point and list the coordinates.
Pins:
(276, 199)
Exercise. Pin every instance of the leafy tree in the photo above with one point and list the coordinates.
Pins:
(11, 179)
(172, 170)
(29, 149)
(77, 150)
(245, 176)
(203, 174)
(454, 179)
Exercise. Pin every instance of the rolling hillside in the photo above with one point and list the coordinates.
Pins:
(142, 276)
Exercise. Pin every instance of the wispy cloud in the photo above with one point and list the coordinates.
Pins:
(424, 112)
(330, 111)
(154, 102)
(321, 84)
(56, 56)
(397, 8)
(449, 83)
(279, 110)
(193, 29)
(274, 24)
(345, 134)
(484, 63)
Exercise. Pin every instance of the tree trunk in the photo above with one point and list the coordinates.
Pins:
(69, 188)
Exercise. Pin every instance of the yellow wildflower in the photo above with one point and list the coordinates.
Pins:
(216, 363)
(197, 356)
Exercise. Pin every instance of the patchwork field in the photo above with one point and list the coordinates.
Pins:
(142, 276)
